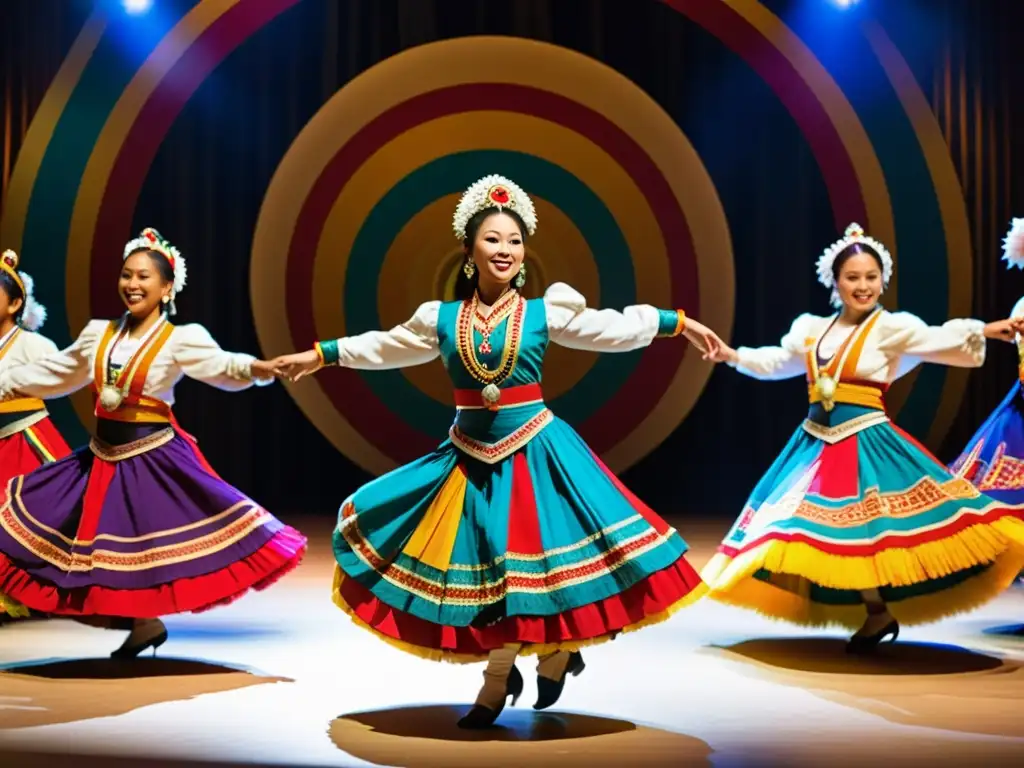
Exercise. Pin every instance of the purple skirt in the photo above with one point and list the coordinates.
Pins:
(139, 530)
(994, 457)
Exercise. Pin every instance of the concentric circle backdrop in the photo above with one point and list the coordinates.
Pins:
(362, 206)
(373, 204)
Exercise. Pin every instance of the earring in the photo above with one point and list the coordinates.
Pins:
(521, 277)
(166, 299)
(469, 269)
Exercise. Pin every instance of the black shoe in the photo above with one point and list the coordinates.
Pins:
(131, 651)
(549, 691)
(867, 643)
(483, 717)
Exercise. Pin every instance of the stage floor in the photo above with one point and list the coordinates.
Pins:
(284, 678)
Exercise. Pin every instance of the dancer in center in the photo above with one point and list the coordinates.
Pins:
(855, 523)
(137, 525)
(511, 538)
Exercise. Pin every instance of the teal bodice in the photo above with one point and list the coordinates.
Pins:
(516, 346)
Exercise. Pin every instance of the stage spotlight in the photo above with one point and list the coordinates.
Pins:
(137, 6)
(845, 3)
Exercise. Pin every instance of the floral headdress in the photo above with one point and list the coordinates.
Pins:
(854, 234)
(494, 191)
(33, 314)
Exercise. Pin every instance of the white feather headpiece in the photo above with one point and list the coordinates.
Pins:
(33, 314)
(853, 234)
(494, 191)
(151, 240)
(1013, 244)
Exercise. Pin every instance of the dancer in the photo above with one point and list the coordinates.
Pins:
(511, 538)
(855, 523)
(137, 525)
(994, 457)
(28, 439)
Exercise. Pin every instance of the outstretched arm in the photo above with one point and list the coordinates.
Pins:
(959, 343)
(201, 358)
(56, 374)
(411, 343)
(769, 363)
(574, 325)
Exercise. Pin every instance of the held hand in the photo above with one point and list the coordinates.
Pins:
(726, 355)
(264, 370)
(295, 366)
(703, 338)
(1004, 330)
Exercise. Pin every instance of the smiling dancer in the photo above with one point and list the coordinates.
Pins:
(137, 525)
(855, 523)
(511, 537)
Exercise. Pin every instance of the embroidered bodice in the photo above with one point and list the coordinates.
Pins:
(849, 368)
(501, 355)
(188, 350)
(895, 344)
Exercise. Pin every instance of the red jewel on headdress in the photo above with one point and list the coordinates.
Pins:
(148, 234)
(499, 195)
(10, 259)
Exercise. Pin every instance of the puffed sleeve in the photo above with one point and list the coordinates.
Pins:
(37, 347)
(200, 357)
(56, 374)
(959, 342)
(572, 324)
(1018, 308)
(785, 361)
(414, 342)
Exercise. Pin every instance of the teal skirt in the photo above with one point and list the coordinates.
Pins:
(873, 511)
(449, 557)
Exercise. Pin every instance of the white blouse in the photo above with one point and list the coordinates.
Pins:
(570, 323)
(27, 347)
(190, 351)
(897, 344)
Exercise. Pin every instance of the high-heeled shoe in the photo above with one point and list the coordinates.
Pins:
(127, 651)
(549, 691)
(483, 717)
(868, 643)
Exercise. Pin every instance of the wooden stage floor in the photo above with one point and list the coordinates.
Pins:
(283, 678)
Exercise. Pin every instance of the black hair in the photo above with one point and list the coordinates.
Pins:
(465, 287)
(13, 290)
(163, 266)
(849, 252)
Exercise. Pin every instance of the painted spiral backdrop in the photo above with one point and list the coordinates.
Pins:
(360, 206)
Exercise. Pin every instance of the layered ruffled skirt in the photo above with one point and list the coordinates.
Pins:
(20, 453)
(142, 530)
(994, 458)
(450, 557)
(872, 511)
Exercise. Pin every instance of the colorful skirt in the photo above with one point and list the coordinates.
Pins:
(873, 511)
(994, 458)
(449, 558)
(141, 530)
(20, 453)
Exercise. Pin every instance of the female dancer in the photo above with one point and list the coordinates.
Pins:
(511, 537)
(28, 438)
(994, 457)
(137, 525)
(855, 516)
